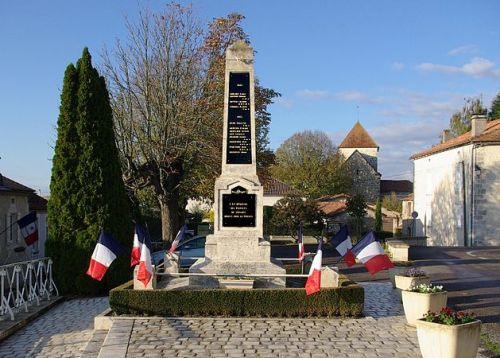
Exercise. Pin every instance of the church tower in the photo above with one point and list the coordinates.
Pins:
(360, 153)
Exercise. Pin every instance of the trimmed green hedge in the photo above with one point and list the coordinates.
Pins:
(286, 302)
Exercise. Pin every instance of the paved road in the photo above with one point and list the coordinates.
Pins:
(472, 277)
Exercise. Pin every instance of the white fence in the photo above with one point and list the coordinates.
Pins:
(25, 283)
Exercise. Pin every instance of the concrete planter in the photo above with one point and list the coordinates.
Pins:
(397, 270)
(232, 284)
(417, 304)
(405, 282)
(442, 341)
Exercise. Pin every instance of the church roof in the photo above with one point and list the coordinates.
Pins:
(358, 137)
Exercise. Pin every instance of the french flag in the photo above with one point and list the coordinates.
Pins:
(145, 270)
(301, 243)
(313, 283)
(178, 238)
(342, 243)
(105, 252)
(371, 254)
(135, 256)
(28, 226)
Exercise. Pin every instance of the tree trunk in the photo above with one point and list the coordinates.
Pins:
(169, 216)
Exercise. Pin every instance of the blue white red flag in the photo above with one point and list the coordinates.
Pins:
(28, 226)
(105, 252)
(145, 270)
(301, 243)
(313, 283)
(371, 254)
(178, 238)
(343, 244)
(135, 256)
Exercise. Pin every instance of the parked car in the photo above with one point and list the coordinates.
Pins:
(189, 251)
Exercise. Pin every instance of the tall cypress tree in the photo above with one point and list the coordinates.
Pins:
(87, 191)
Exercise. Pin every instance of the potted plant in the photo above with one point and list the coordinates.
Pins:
(419, 300)
(448, 334)
(410, 278)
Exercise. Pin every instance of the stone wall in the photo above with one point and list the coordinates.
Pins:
(486, 231)
(365, 180)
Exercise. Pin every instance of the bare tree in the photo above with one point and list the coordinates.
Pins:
(156, 79)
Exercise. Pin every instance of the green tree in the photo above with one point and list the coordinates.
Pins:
(495, 108)
(460, 121)
(356, 208)
(311, 163)
(167, 82)
(292, 210)
(87, 191)
(378, 216)
(391, 202)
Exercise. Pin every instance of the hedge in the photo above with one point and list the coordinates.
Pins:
(286, 302)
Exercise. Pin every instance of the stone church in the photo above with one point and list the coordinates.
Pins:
(360, 152)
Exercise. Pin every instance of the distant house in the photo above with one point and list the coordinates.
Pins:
(275, 189)
(457, 188)
(360, 152)
(402, 188)
(334, 207)
(17, 200)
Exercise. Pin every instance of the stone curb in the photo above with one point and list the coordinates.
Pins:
(16, 326)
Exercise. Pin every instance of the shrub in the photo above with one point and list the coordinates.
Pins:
(424, 288)
(287, 302)
(449, 317)
(414, 272)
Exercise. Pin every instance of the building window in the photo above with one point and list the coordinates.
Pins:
(12, 232)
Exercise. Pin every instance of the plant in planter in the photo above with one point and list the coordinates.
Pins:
(419, 300)
(448, 334)
(410, 278)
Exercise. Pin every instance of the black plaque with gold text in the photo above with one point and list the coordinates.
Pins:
(239, 134)
(238, 209)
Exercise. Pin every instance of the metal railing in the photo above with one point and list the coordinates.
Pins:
(23, 283)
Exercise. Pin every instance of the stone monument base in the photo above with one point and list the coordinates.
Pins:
(206, 265)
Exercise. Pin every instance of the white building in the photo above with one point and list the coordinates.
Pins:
(457, 188)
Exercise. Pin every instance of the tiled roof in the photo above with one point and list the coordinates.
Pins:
(336, 197)
(7, 184)
(398, 186)
(37, 203)
(330, 208)
(358, 137)
(275, 187)
(490, 134)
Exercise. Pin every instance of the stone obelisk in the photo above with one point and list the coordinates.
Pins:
(237, 245)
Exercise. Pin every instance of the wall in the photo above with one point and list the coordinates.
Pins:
(486, 194)
(365, 179)
(370, 154)
(17, 205)
(439, 196)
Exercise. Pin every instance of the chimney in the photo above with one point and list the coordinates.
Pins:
(446, 136)
(478, 124)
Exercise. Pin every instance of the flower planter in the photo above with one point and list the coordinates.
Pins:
(232, 284)
(417, 304)
(395, 271)
(442, 341)
(406, 282)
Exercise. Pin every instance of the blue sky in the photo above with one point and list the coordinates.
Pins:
(407, 65)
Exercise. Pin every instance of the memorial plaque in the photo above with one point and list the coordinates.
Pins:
(238, 208)
(239, 134)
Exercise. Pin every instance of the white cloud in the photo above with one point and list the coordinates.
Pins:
(477, 67)
(398, 66)
(462, 50)
(317, 94)
(357, 96)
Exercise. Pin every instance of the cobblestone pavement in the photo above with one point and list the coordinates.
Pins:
(65, 331)
(61, 332)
